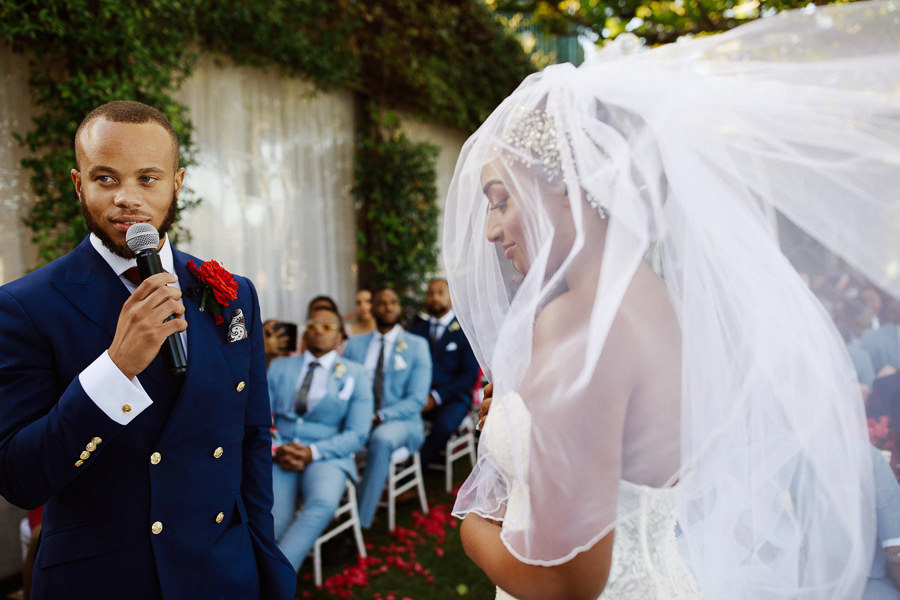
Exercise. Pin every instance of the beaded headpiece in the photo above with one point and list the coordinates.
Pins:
(533, 136)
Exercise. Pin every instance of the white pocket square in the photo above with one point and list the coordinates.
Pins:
(399, 363)
(345, 392)
(451, 347)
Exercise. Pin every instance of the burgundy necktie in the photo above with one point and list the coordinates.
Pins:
(132, 275)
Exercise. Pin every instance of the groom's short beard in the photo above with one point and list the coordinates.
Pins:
(122, 249)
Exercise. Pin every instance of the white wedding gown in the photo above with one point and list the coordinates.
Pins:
(646, 564)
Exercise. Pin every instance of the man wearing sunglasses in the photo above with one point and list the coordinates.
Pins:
(322, 407)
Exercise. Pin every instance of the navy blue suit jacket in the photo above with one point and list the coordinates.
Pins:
(211, 488)
(455, 369)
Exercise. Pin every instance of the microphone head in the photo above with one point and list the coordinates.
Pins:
(142, 236)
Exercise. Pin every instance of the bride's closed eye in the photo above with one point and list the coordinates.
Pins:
(498, 205)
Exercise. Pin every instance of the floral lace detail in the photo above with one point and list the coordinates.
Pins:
(646, 564)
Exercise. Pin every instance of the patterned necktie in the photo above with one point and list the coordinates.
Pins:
(378, 377)
(303, 392)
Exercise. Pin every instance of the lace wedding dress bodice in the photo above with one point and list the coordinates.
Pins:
(646, 564)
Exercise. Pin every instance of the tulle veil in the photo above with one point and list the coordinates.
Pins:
(677, 156)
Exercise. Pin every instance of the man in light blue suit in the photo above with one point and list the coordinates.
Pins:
(884, 575)
(322, 407)
(883, 345)
(400, 365)
(155, 485)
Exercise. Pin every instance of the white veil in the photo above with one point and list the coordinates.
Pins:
(678, 154)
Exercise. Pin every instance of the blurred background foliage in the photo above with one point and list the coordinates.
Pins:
(447, 62)
(654, 21)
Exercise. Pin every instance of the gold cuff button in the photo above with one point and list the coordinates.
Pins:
(85, 455)
(240, 386)
(156, 527)
(155, 458)
(96, 441)
(91, 446)
(126, 408)
(217, 453)
(220, 517)
(78, 463)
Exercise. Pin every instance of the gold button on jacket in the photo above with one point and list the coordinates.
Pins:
(78, 463)
(96, 441)
(155, 458)
(91, 446)
(85, 455)
(217, 453)
(156, 527)
(240, 386)
(220, 517)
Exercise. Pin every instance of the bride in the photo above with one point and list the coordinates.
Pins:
(609, 247)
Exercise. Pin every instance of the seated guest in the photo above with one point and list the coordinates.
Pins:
(852, 320)
(885, 400)
(400, 367)
(322, 408)
(454, 369)
(362, 320)
(883, 345)
(884, 577)
(873, 299)
(322, 301)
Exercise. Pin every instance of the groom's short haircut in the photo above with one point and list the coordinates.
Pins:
(127, 111)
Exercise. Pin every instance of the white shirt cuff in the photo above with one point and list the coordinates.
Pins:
(113, 393)
(437, 397)
(890, 542)
(315, 452)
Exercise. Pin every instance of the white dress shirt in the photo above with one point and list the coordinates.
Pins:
(390, 340)
(318, 387)
(439, 326)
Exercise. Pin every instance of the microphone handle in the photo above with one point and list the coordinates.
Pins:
(172, 350)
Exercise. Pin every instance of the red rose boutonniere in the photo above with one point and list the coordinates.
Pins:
(216, 289)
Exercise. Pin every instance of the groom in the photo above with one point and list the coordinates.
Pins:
(155, 485)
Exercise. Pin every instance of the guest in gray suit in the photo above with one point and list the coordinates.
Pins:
(322, 407)
(400, 365)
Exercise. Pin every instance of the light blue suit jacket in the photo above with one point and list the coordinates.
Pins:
(407, 379)
(338, 424)
(883, 345)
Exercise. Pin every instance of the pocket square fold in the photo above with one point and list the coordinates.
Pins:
(237, 329)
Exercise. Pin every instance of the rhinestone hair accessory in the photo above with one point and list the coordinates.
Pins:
(533, 137)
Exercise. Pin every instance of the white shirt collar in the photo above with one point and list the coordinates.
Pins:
(119, 265)
(327, 360)
(390, 337)
(446, 319)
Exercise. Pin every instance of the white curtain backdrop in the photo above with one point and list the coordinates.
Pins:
(16, 252)
(275, 171)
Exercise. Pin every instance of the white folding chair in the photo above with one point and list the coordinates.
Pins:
(403, 477)
(460, 445)
(346, 509)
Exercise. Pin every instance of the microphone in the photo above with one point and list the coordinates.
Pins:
(143, 239)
